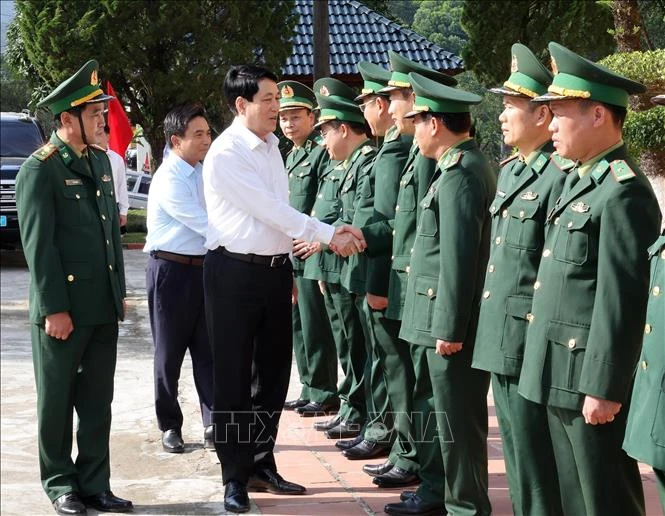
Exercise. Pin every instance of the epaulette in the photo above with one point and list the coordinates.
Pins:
(308, 145)
(45, 152)
(318, 140)
(563, 163)
(538, 165)
(621, 170)
(452, 159)
(508, 159)
(366, 149)
(391, 134)
(600, 170)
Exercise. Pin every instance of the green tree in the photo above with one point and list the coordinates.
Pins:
(14, 91)
(155, 53)
(404, 10)
(653, 18)
(441, 21)
(493, 27)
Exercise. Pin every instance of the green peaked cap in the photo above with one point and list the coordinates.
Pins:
(81, 88)
(328, 86)
(295, 95)
(375, 78)
(434, 97)
(401, 68)
(528, 76)
(338, 108)
(578, 78)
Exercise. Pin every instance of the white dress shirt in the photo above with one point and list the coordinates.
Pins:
(119, 180)
(177, 220)
(247, 194)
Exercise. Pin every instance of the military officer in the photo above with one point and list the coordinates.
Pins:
(591, 290)
(529, 183)
(441, 310)
(313, 343)
(71, 238)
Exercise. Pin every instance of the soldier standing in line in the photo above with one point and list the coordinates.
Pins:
(71, 239)
(313, 344)
(591, 291)
(529, 184)
(441, 311)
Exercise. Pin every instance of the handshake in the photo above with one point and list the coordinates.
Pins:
(346, 241)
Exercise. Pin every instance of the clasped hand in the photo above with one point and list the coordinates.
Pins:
(346, 241)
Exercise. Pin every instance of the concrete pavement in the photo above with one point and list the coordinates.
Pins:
(162, 483)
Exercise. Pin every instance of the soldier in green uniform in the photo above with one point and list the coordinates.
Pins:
(590, 294)
(313, 343)
(71, 238)
(442, 303)
(528, 186)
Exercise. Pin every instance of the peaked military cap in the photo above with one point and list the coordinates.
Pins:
(338, 108)
(332, 87)
(578, 78)
(658, 99)
(81, 88)
(375, 79)
(401, 68)
(434, 97)
(295, 95)
(528, 76)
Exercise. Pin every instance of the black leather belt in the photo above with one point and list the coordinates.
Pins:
(178, 258)
(277, 260)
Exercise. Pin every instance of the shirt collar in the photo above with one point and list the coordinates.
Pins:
(585, 168)
(181, 165)
(251, 139)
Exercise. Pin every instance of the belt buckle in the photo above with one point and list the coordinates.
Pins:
(274, 261)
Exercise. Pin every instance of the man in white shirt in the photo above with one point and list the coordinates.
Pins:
(249, 283)
(118, 168)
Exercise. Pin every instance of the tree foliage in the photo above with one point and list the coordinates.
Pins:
(155, 53)
(14, 91)
(404, 10)
(492, 28)
(441, 21)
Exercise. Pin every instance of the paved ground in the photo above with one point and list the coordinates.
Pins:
(162, 483)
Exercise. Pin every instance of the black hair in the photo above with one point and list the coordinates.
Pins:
(457, 123)
(354, 127)
(618, 113)
(243, 81)
(177, 120)
(75, 111)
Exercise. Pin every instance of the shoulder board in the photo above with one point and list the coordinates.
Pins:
(366, 149)
(621, 170)
(600, 170)
(45, 152)
(538, 165)
(562, 163)
(308, 145)
(391, 134)
(508, 159)
(318, 140)
(451, 159)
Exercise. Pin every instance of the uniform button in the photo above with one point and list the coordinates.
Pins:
(644, 365)
(536, 285)
(570, 224)
(110, 267)
(504, 213)
(546, 253)
(78, 196)
(103, 217)
(430, 292)
(572, 343)
(647, 328)
(529, 317)
(289, 192)
(492, 209)
(392, 257)
(656, 290)
(397, 208)
(486, 294)
(521, 214)
(408, 269)
(662, 254)
(313, 212)
(320, 196)
(291, 174)
(497, 241)
(111, 194)
(107, 242)
(393, 232)
(70, 278)
(99, 193)
(490, 268)
(556, 221)
(411, 250)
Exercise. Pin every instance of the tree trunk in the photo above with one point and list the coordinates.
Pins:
(627, 25)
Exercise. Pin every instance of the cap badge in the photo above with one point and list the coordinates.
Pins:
(555, 69)
(93, 78)
(529, 196)
(579, 207)
(287, 92)
(513, 64)
(324, 91)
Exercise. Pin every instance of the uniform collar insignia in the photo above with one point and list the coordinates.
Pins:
(501, 193)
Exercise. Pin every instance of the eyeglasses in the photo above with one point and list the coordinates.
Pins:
(326, 133)
(364, 106)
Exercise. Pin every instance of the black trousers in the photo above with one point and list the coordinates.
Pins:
(248, 309)
(177, 319)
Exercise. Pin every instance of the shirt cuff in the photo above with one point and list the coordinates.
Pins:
(324, 232)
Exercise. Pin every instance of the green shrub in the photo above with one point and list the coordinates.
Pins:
(136, 221)
(645, 67)
(133, 238)
(645, 129)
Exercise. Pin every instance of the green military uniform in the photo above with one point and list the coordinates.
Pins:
(313, 343)
(527, 190)
(443, 293)
(71, 239)
(645, 430)
(589, 301)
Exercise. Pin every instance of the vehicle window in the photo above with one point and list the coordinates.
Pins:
(19, 139)
(131, 181)
(145, 185)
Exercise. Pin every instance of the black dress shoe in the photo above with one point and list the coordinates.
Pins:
(413, 506)
(106, 501)
(405, 495)
(366, 450)
(396, 477)
(294, 404)
(322, 426)
(348, 443)
(172, 442)
(374, 470)
(235, 497)
(209, 437)
(69, 503)
(314, 408)
(344, 430)
(272, 482)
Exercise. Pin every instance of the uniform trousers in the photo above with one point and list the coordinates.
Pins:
(75, 374)
(177, 319)
(248, 309)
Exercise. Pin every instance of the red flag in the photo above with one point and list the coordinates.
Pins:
(121, 131)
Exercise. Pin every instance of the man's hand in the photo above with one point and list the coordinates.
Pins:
(322, 287)
(348, 240)
(304, 250)
(59, 325)
(123, 220)
(377, 302)
(445, 347)
(294, 293)
(597, 411)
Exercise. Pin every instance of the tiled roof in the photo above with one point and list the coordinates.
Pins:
(357, 33)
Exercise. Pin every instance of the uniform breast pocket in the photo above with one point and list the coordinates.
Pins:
(76, 274)
(658, 427)
(302, 181)
(73, 207)
(428, 225)
(566, 346)
(572, 240)
(423, 307)
(331, 189)
(523, 230)
(366, 189)
(514, 327)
